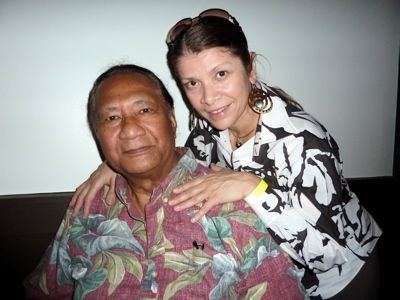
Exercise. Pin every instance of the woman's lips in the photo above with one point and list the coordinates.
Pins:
(218, 113)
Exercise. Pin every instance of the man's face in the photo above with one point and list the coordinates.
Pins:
(135, 127)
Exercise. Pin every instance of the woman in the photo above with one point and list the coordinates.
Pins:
(265, 149)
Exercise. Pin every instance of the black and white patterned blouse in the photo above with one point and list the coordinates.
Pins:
(308, 206)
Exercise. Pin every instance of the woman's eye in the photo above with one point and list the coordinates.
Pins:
(221, 74)
(190, 84)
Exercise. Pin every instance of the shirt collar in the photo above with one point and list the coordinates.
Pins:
(187, 164)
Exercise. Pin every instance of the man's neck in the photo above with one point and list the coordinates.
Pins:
(140, 191)
(141, 186)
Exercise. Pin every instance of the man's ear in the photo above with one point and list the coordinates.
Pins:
(173, 120)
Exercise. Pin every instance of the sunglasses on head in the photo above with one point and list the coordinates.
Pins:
(183, 24)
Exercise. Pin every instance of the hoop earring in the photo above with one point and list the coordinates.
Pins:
(259, 100)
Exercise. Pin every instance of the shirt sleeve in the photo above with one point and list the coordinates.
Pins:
(52, 277)
(303, 207)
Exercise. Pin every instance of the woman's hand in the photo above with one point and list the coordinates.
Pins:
(209, 190)
(86, 192)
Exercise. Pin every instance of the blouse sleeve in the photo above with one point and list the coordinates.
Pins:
(304, 206)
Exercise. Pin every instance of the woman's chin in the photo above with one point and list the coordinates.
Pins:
(220, 125)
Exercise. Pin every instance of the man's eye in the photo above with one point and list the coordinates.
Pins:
(145, 110)
(112, 118)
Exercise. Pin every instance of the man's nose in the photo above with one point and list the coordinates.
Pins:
(131, 128)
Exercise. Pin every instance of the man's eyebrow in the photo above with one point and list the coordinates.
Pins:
(108, 109)
(135, 102)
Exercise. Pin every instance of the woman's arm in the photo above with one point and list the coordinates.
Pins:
(222, 186)
(308, 209)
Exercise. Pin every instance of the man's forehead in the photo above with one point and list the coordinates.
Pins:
(129, 86)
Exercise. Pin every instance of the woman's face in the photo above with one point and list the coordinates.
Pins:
(217, 85)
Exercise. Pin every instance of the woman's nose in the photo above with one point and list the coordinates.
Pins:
(209, 94)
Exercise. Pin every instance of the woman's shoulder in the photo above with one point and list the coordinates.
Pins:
(303, 121)
(202, 135)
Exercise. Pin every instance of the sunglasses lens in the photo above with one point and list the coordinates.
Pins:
(184, 23)
(215, 13)
(177, 29)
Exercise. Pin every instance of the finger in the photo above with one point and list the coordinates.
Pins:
(73, 200)
(187, 195)
(189, 203)
(188, 185)
(215, 168)
(79, 202)
(111, 198)
(202, 211)
(76, 194)
(88, 199)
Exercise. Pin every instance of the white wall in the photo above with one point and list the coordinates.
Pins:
(338, 58)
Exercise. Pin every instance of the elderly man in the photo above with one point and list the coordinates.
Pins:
(140, 247)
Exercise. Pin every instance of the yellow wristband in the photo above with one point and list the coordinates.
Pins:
(260, 188)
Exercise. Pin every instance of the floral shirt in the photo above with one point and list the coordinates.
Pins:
(308, 207)
(116, 254)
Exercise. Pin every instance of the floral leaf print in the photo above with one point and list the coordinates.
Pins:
(251, 244)
(115, 270)
(179, 177)
(80, 266)
(159, 229)
(184, 280)
(226, 270)
(89, 283)
(226, 208)
(59, 241)
(189, 163)
(139, 231)
(159, 249)
(260, 226)
(114, 211)
(64, 230)
(43, 283)
(149, 283)
(256, 292)
(100, 261)
(232, 244)
(63, 269)
(242, 217)
(132, 265)
(191, 260)
(177, 262)
(257, 252)
(81, 225)
(216, 229)
(107, 235)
